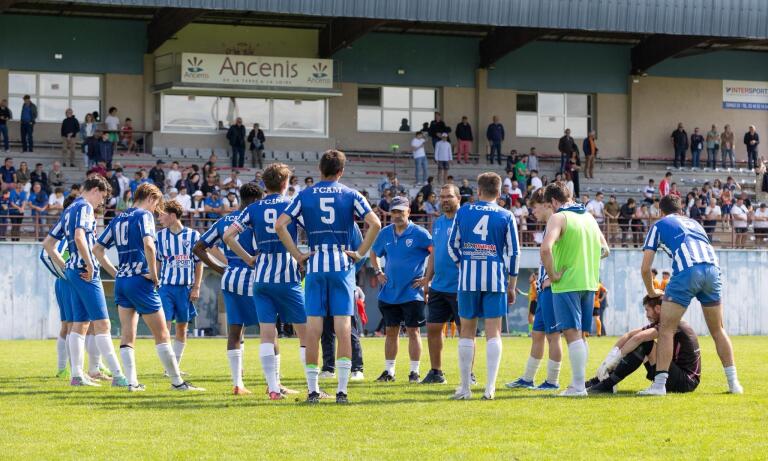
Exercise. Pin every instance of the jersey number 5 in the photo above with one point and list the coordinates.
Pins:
(481, 228)
(326, 206)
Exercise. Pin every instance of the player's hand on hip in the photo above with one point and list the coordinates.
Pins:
(194, 294)
(303, 257)
(511, 296)
(382, 278)
(556, 276)
(420, 282)
(656, 293)
(251, 261)
(354, 255)
(87, 275)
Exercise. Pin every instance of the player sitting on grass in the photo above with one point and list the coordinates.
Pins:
(638, 347)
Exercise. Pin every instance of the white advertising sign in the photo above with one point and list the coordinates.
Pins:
(745, 95)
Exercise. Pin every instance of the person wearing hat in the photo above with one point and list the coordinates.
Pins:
(197, 209)
(157, 175)
(404, 247)
(443, 157)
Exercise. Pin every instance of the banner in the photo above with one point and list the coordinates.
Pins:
(256, 71)
(745, 95)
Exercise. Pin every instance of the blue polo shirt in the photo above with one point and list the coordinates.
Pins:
(406, 258)
(446, 278)
(213, 203)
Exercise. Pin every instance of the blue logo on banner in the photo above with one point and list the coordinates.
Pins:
(745, 105)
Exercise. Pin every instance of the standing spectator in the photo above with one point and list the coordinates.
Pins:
(573, 167)
(612, 211)
(520, 211)
(70, 128)
(395, 187)
(404, 126)
(24, 176)
(236, 138)
(113, 127)
(436, 128)
(427, 188)
(28, 119)
(443, 157)
(417, 210)
(649, 192)
(465, 191)
(114, 183)
(464, 139)
(495, 136)
(533, 160)
(210, 165)
(7, 174)
(5, 115)
(727, 146)
(157, 175)
(680, 144)
(514, 191)
(596, 208)
(626, 214)
(590, 153)
(740, 217)
(256, 141)
(89, 138)
(105, 150)
(386, 200)
(184, 199)
(535, 183)
(419, 157)
(505, 199)
(18, 203)
(431, 208)
(521, 171)
(712, 214)
(173, 176)
(751, 140)
(761, 187)
(38, 175)
(511, 160)
(665, 185)
(697, 144)
(123, 182)
(38, 203)
(567, 146)
(760, 223)
(126, 137)
(713, 145)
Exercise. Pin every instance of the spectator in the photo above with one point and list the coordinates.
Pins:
(533, 160)
(654, 210)
(157, 175)
(38, 203)
(236, 138)
(7, 173)
(649, 192)
(697, 145)
(573, 167)
(727, 146)
(751, 140)
(673, 190)
(427, 188)
(173, 176)
(27, 125)
(640, 224)
(114, 183)
(596, 208)
(419, 157)
(125, 201)
(717, 189)
(5, 209)
(113, 128)
(511, 160)
(695, 211)
(210, 165)
(5, 115)
(726, 199)
(404, 126)
(567, 146)
(100, 169)
(386, 181)
(509, 178)
(712, 214)
(464, 139)
(568, 183)
(233, 181)
(210, 185)
(680, 144)
(761, 187)
(396, 188)
(665, 184)
(386, 200)
(465, 191)
(590, 153)
(760, 223)
(713, 145)
(126, 137)
(535, 183)
(740, 217)
(256, 141)
(505, 199)
(24, 176)
(436, 128)
(18, 203)
(198, 210)
(495, 136)
(89, 138)
(584, 200)
(138, 179)
(214, 205)
(514, 192)
(443, 157)
(417, 210)
(425, 129)
(230, 202)
(733, 186)
(105, 149)
(56, 202)
(38, 175)
(521, 171)
(626, 214)
(184, 199)
(294, 182)
(520, 211)
(123, 182)
(432, 208)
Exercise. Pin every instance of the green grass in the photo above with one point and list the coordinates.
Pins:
(43, 418)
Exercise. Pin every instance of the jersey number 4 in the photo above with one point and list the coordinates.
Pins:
(481, 228)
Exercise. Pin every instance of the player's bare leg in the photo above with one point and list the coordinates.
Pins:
(342, 326)
(713, 315)
(671, 313)
(435, 345)
(391, 347)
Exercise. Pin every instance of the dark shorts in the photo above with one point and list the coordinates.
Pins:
(740, 230)
(442, 165)
(761, 230)
(596, 312)
(442, 307)
(532, 307)
(410, 313)
(678, 380)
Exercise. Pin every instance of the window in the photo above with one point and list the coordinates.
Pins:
(547, 115)
(54, 94)
(384, 108)
(278, 117)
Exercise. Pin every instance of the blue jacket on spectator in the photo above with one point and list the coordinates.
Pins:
(38, 200)
(18, 199)
(105, 151)
(495, 132)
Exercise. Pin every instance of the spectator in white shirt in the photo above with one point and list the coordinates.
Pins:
(125, 183)
(595, 208)
(184, 199)
(536, 183)
(56, 201)
(443, 157)
(419, 157)
(294, 182)
(113, 125)
(233, 181)
(712, 214)
(760, 223)
(649, 192)
(173, 175)
(740, 217)
(533, 160)
(514, 192)
(508, 180)
(521, 213)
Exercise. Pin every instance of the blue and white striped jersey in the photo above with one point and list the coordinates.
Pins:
(683, 240)
(79, 215)
(543, 276)
(61, 248)
(175, 252)
(484, 242)
(274, 264)
(126, 232)
(329, 210)
(238, 277)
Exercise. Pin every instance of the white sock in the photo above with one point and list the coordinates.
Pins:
(389, 367)
(344, 368)
(235, 366)
(277, 369)
(242, 358)
(303, 355)
(577, 353)
(312, 372)
(466, 353)
(493, 356)
(168, 359)
(178, 350)
(267, 357)
(553, 372)
(415, 366)
(107, 349)
(61, 353)
(93, 354)
(660, 380)
(730, 375)
(77, 354)
(531, 367)
(129, 362)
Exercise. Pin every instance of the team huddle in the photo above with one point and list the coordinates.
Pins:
(469, 267)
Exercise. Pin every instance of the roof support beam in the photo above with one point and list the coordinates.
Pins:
(503, 40)
(166, 23)
(656, 48)
(341, 32)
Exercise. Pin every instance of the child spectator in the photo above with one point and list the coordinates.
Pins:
(126, 137)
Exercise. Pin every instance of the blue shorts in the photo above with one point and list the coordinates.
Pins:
(176, 303)
(284, 299)
(573, 309)
(482, 304)
(544, 319)
(137, 292)
(241, 309)
(88, 301)
(330, 293)
(64, 299)
(701, 281)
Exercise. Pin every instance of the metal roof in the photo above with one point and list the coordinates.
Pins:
(712, 18)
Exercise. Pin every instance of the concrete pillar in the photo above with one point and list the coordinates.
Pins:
(481, 112)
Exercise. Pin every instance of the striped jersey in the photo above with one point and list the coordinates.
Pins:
(274, 264)
(238, 277)
(79, 215)
(683, 240)
(542, 276)
(484, 242)
(175, 253)
(126, 232)
(329, 210)
(61, 248)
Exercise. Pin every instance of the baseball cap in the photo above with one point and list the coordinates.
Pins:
(400, 203)
(173, 190)
(443, 135)
(160, 162)
(197, 193)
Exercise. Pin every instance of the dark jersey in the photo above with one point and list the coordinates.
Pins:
(686, 353)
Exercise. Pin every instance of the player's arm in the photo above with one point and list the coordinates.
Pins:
(429, 272)
(553, 230)
(100, 252)
(82, 249)
(374, 226)
(380, 275)
(233, 242)
(194, 294)
(49, 244)
(151, 256)
(605, 250)
(201, 251)
(647, 275)
(649, 334)
(281, 227)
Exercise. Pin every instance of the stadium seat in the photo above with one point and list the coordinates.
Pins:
(204, 154)
(221, 152)
(159, 152)
(189, 152)
(174, 152)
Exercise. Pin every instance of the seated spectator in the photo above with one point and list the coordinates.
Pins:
(24, 176)
(649, 191)
(505, 199)
(38, 175)
(233, 181)
(214, 205)
(7, 174)
(521, 214)
(100, 169)
(511, 161)
(712, 214)
(654, 210)
(395, 187)
(384, 204)
(596, 208)
(125, 201)
(673, 190)
(418, 213)
(126, 137)
(466, 191)
(535, 182)
(294, 182)
(427, 188)
(432, 208)
(5, 209)
(38, 203)
(385, 182)
(291, 192)
(197, 211)
(760, 223)
(172, 194)
(56, 202)
(173, 176)
(193, 184)
(514, 192)
(211, 185)
(185, 200)
(18, 204)
(308, 182)
(231, 203)
(626, 214)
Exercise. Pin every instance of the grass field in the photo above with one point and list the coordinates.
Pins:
(43, 418)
